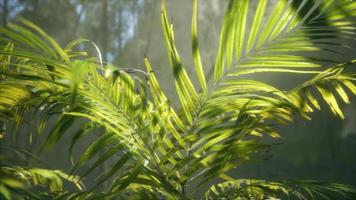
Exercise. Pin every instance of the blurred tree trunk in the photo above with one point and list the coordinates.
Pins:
(105, 30)
(104, 33)
(5, 12)
(119, 36)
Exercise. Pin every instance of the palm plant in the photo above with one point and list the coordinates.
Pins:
(156, 150)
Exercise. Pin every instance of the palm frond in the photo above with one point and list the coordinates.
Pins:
(111, 98)
(262, 189)
(18, 181)
(236, 108)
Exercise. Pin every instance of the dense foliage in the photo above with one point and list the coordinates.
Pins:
(157, 151)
